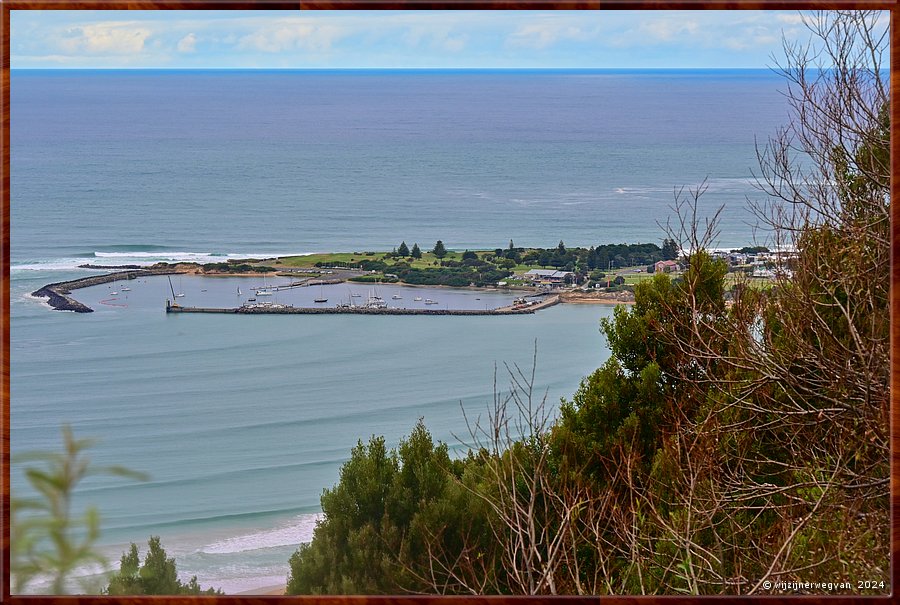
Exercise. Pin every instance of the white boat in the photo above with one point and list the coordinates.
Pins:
(239, 291)
(179, 295)
(356, 295)
(428, 301)
(267, 305)
(113, 293)
(397, 297)
(125, 289)
(266, 290)
(375, 302)
(417, 298)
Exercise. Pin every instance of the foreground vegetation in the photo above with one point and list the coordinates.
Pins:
(158, 575)
(722, 449)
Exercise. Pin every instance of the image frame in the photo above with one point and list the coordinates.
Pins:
(5, 37)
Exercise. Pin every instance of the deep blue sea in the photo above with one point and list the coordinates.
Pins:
(242, 421)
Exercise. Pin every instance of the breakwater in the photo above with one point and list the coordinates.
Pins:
(58, 293)
(287, 310)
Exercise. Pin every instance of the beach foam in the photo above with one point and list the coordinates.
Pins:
(140, 258)
(294, 532)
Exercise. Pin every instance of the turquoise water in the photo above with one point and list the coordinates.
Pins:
(242, 421)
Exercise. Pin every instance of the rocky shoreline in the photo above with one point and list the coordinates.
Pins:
(58, 293)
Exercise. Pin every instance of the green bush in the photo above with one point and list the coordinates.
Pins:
(157, 576)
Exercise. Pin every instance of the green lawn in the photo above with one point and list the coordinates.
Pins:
(428, 259)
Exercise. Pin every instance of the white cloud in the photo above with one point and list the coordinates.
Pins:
(541, 35)
(795, 19)
(664, 30)
(292, 34)
(187, 44)
(752, 37)
(111, 38)
(456, 44)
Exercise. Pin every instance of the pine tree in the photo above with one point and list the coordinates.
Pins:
(669, 249)
(439, 250)
(157, 576)
(415, 252)
(403, 250)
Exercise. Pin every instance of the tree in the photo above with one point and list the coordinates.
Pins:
(561, 248)
(669, 249)
(403, 250)
(512, 252)
(157, 576)
(373, 538)
(469, 255)
(415, 252)
(439, 250)
(46, 539)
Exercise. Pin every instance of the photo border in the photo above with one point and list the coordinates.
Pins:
(9, 5)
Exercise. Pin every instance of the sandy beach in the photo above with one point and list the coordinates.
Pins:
(271, 590)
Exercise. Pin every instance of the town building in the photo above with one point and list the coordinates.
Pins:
(549, 276)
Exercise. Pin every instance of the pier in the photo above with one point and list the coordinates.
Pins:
(288, 310)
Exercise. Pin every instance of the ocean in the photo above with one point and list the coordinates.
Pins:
(241, 422)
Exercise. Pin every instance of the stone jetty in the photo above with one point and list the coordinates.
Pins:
(526, 309)
(58, 293)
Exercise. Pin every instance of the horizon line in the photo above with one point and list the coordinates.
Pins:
(211, 68)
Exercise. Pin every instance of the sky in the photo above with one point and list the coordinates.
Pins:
(400, 39)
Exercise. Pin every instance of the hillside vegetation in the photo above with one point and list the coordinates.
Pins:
(736, 448)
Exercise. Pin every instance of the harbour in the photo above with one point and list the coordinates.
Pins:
(523, 308)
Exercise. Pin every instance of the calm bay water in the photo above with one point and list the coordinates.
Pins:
(242, 421)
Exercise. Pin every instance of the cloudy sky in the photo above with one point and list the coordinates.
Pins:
(399, 39)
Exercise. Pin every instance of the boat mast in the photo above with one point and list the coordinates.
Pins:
(171, 287)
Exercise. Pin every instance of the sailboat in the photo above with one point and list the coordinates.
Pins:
(239, 290)
(180, 287)
(265, 290)
(375, 302)
(322, 298)
(172, 288)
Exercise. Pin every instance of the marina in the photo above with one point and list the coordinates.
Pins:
(282, 309)
(216, 294)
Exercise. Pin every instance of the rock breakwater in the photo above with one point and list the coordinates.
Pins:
(57, 294)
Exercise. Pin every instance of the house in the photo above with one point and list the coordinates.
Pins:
(666, 266)
(549, 276)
